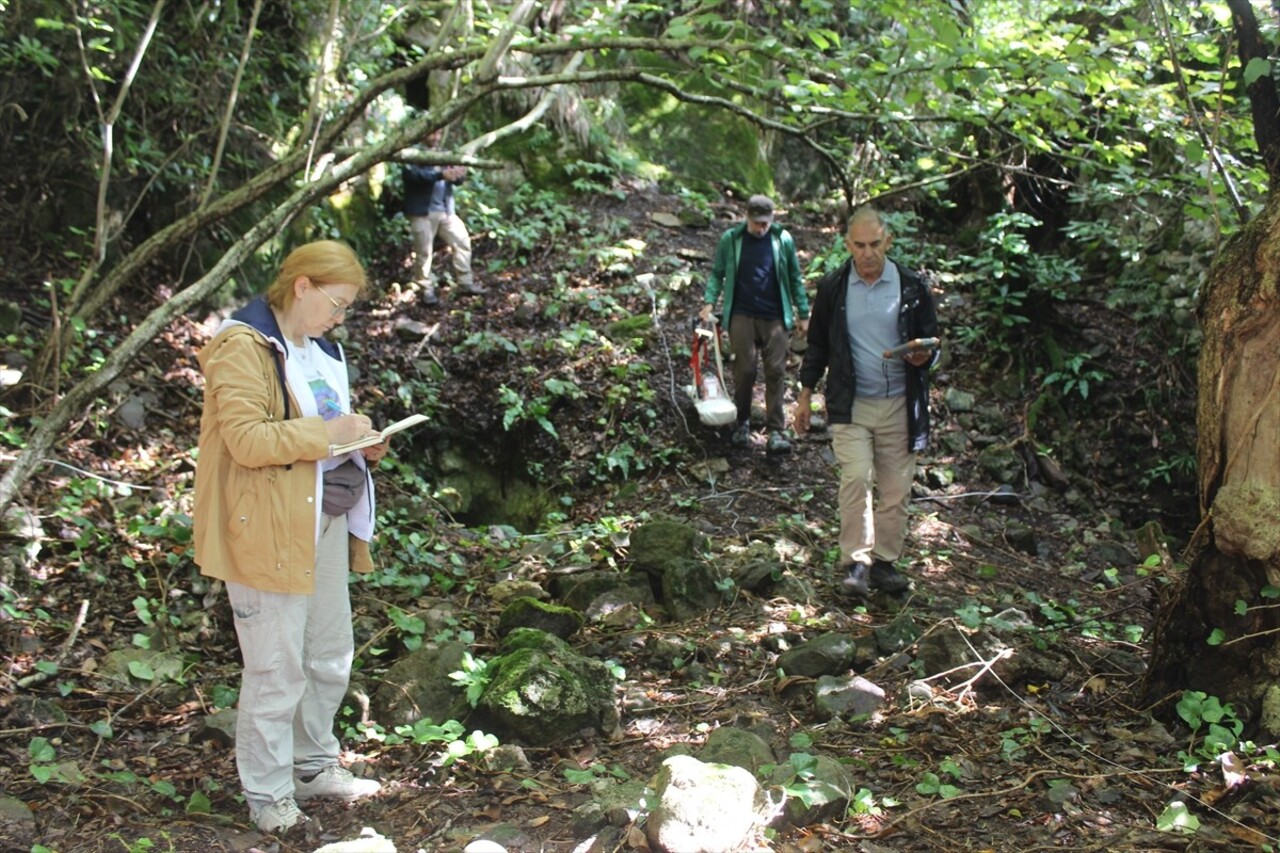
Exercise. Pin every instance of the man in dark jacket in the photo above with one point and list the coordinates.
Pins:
(428, 202)
(757, 273)
(878, 407)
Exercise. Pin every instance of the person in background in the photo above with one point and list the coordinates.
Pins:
(429, 204)
(757, 273)
(878, 407)
(281, 521)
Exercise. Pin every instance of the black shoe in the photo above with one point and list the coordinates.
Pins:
(886, 578)
(855, 582)
(429, 296)
(741, 435)
(778, 444)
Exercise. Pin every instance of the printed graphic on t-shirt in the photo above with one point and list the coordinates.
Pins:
(327, 402)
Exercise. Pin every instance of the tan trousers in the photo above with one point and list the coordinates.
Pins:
(874, 457)
(453, 231)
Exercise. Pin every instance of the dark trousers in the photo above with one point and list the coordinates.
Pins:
(747, 337)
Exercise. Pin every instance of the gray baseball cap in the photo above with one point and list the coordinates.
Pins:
(759, 208)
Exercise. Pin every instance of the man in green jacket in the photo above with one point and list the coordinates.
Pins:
(758, 273)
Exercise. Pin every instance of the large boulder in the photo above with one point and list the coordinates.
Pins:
(711, 808)
(540, 690)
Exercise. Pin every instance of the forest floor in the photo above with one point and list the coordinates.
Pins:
(1071, 757)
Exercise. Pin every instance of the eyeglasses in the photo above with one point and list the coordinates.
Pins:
(339, 309)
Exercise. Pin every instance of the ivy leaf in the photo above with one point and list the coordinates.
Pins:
(141, 671)
(1176, 818)
(1256, 69)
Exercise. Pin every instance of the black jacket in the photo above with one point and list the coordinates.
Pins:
(829, 351)
(419, 181)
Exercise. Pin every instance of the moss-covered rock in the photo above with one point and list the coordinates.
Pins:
(659, 543)
(525, 612)
(541, 691)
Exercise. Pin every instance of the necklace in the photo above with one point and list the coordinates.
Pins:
(302, 353)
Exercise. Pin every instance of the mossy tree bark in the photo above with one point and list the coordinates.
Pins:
(1236, 549)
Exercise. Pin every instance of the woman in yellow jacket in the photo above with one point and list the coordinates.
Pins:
(276, 400)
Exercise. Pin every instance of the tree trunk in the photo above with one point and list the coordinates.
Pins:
(1224, 598)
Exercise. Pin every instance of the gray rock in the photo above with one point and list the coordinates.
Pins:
(728, 745)
(828, 789)
(1001, 464)
(657, 544)
(958, 401)
(504, 591)
(580, 590)
(846, 697)
(825, 655)
(407, 329)
(691, 588)
(418, 687)
(897, 635)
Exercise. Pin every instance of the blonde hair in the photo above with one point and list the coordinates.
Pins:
(323, 262)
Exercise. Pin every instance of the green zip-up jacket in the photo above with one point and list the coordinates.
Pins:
(786, 267)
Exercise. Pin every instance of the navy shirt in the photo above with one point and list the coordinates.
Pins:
(756, 292)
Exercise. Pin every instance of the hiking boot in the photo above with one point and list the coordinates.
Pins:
(741, 435)
(855, 582)
(280, 816)
(334, 783)
(886, 578)
(474, 289)
(429, 296)
(778, 444)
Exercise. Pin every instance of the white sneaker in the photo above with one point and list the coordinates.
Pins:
(335, 783)
(279, 816)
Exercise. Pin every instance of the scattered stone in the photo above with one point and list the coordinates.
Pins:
(657, 544)
(1051, 473)
(17, 823)
(666, 220)
(897, 635)
(408, 329)
(825, 655)
(141, 668)
(691, 588)
(828, 788)
(580, 590)
(504, 591)
(846, 697)
(957, 400)
(1021, 536)
(219, 728)
(368, 842)
(418, 687)
(738, 747)
(1004, 495)
(1001, 463)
